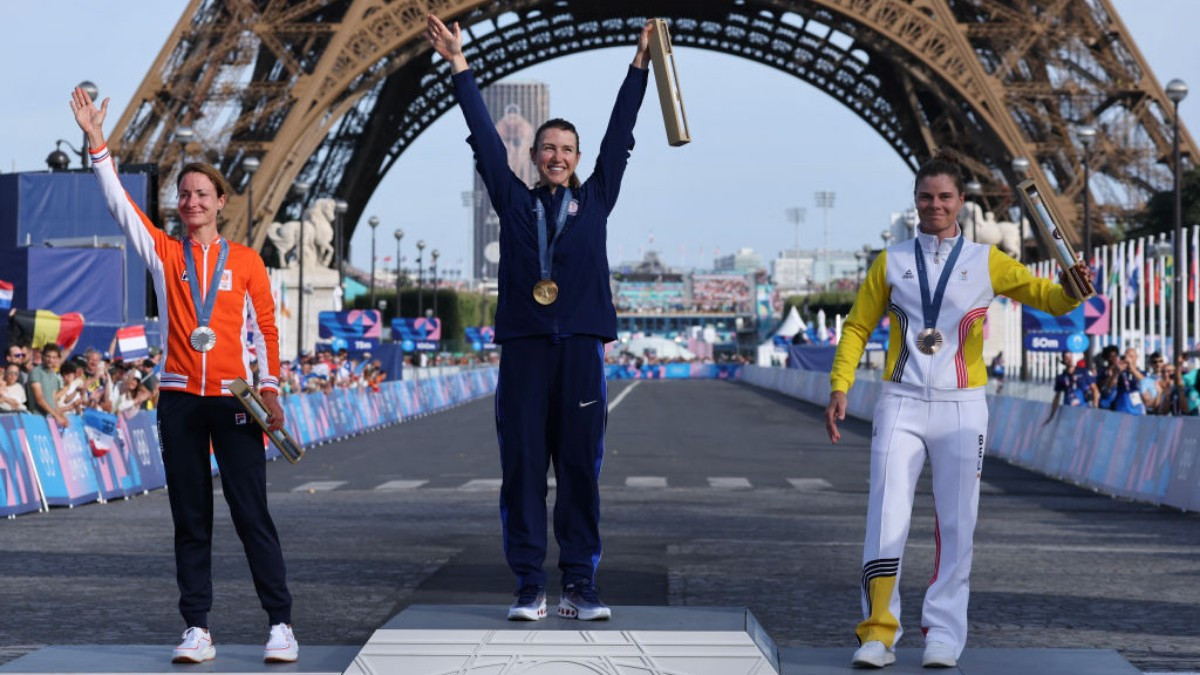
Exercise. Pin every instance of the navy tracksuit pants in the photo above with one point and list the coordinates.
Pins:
(186, 422)
(551, 407)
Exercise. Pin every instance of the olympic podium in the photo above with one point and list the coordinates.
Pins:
(477, 640)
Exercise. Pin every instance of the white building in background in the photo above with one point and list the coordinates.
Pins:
(744, 260)
(805, 271)
(792, 272)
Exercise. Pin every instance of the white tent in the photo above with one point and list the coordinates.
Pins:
(791, 325)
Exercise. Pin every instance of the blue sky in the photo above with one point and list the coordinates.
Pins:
(763, 141)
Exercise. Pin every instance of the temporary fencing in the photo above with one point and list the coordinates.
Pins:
(43, 465)
(1148, 458)
(675, 371)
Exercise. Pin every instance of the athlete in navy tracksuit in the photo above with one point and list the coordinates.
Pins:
(551, 399)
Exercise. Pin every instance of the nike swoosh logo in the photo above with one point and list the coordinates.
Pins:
(584, 405)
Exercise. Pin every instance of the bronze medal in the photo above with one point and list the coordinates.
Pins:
(545, 292)
(929, 341)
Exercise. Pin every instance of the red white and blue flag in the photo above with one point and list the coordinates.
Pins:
(131, 340)
(6, 293)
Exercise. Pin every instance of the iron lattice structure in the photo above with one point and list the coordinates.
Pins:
(332, 92)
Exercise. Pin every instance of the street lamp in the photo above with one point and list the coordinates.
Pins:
(825, 201)
(434, 254)
(373, 221)
(1177, 91)
(795, 215)
(399, 234)
(250, 166)
(974, 189)
(886, 236)
(420, 279)
(1020, 167)
(183, 135)
(92, 92)
(58, 160)
(301, 189)
(1087, 134)
(339, 209)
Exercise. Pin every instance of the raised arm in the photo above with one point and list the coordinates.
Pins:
(143, 235)
(617, 143)
(491, 157)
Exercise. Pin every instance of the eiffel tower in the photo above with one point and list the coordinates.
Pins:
(331, 92)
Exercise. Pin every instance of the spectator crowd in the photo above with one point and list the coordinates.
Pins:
(40, 381)
(1122, 383)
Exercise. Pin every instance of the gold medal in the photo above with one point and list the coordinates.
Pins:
(545, 292)
(929, 341)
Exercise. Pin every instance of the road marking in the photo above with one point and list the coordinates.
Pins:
(810, 484)
(621, 396)
(729, 483)
(392, 485)
(645, 481)
(319, 486)
(480, 484)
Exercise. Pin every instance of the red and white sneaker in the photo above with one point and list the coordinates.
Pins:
(281, 646)
(197, 647)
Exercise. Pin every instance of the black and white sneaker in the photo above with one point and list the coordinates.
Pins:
(580, 601)
(530, 604)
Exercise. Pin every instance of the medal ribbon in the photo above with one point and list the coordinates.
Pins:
(204, 310)
(546, 249)
(931, 308)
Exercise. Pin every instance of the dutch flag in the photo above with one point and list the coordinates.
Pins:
(131, 340)
(6, 293)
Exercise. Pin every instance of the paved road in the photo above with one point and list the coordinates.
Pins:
(715, 493)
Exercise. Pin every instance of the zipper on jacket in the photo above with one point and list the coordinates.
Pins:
(204, 294)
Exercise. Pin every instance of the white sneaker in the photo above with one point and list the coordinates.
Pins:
(197, 647)
(281, 646)
(873, 655)
(939, 655)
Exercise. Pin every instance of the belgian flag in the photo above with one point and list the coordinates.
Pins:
(38, 327)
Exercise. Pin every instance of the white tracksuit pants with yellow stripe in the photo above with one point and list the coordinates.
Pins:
(951, 433)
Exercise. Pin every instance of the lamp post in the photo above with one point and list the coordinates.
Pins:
(183, 136)
(250, 166)
(974, 190)
(399, 234)
(1177, 91)
(420, 279)
(434, 254)
(301, 188)
(373, 221)
(339, 209)
(886, 236)
(825, 202)
(1020, 167)
(795, 216)
(92, 91)
(1087, 134)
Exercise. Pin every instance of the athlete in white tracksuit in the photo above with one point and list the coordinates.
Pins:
(931, 404)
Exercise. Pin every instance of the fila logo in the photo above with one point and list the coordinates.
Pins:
(184, 276)
(239, 418)
(908, 274)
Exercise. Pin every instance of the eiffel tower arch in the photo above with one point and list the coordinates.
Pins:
(332, 92)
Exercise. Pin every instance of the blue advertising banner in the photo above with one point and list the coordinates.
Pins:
(417, 335)
(481, 338)
(117, 472)
(1056, 342)
(68, 459)
(18, 485)
(140, 434)
(354, 330)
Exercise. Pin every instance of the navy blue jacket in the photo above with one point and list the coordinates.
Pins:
(580, 264)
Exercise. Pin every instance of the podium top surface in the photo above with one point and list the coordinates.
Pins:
(494, 617)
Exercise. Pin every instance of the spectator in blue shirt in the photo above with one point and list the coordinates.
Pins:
(1149, 384)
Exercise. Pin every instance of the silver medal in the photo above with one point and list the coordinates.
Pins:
(202, 339)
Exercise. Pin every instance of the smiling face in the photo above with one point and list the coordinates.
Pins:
(199, 201)
(556, 155)
(938, 202)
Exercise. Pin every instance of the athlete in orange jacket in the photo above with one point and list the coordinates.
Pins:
(211, 292)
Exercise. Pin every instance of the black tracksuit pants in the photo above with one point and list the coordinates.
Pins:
(186, 424)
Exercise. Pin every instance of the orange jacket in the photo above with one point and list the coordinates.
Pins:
(243, 304)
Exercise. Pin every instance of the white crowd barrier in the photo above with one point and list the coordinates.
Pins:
(1147, 458)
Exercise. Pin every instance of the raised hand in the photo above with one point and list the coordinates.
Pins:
(89, 118)
(446, 42)
(642, 58)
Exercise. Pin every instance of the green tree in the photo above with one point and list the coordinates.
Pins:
(1159, 214)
